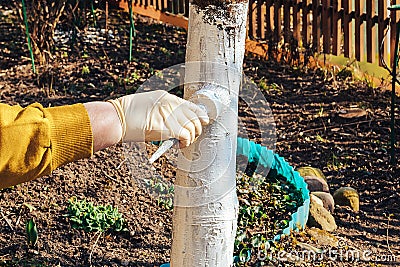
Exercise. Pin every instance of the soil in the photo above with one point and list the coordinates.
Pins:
(307, 105)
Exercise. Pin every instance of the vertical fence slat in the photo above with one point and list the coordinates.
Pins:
(305, 24)
(254, 18)
(263, 17)
(347, 29)
(260, 20)
(277, 21)
(326, 26)
(316, 25)
(187, 8)
(296, 20)
(286, 21)
(382, 14)
(250, 23)
(371, 32)
(181, 7)
(270, 18)
(175, 6)
(336, 27)
(163, 5)
(169, 6)
(359, 31)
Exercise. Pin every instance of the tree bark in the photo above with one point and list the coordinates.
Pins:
(205, 203)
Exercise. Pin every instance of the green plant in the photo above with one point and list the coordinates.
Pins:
(266, 204)
(31, 233)
(321, 139)
(85, 215)
(164, 192)
(165, 51)
(85, 70)
(134, 77)
(321, 111)
(263, 84)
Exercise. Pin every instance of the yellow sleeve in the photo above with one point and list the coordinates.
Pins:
(35, 140)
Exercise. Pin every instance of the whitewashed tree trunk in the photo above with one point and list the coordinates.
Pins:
(206, 206)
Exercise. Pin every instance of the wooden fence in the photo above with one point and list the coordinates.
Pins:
(353, 28)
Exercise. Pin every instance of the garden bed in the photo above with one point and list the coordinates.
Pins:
(306, 105)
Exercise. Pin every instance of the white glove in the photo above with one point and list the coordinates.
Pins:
(158, 115)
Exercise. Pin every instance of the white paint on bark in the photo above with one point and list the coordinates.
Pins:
(206, 205)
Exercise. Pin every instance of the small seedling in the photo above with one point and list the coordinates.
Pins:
(85, 70)
(31, 233)
(263, 84)
(165, 51)
(84, 215)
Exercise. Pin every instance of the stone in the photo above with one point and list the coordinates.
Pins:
(316, 199)
(320, 217)
(316, 184)
(310, 171)
(327, 199)
(322, 237)
(347, 197)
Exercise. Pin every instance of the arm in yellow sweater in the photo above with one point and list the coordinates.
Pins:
(36, 140)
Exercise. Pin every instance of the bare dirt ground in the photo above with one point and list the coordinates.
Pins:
(310, 131)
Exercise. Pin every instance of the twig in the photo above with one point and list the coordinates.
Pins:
(7, 220)
(342, 125)
(120, 165)
(387, 236)
(109, 177)
(94, 246)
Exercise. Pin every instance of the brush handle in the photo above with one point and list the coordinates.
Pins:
(163, 148)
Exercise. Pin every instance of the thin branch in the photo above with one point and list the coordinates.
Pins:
(387, 235)
(94, 246)
(120, 165)
(109, 177)
(341, 125)
(6, 220)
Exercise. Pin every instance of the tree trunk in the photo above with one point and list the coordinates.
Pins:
(205, 203)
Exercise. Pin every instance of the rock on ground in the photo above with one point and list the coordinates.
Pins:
(316, 183)
(320, 217)
(310, 171)
(348, 197)
(323, 237)
(327, 200)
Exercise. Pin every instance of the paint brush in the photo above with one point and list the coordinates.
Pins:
(167, 144)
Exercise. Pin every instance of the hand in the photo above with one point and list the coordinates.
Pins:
(158, 115)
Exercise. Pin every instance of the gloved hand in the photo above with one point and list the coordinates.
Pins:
(158, 115)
